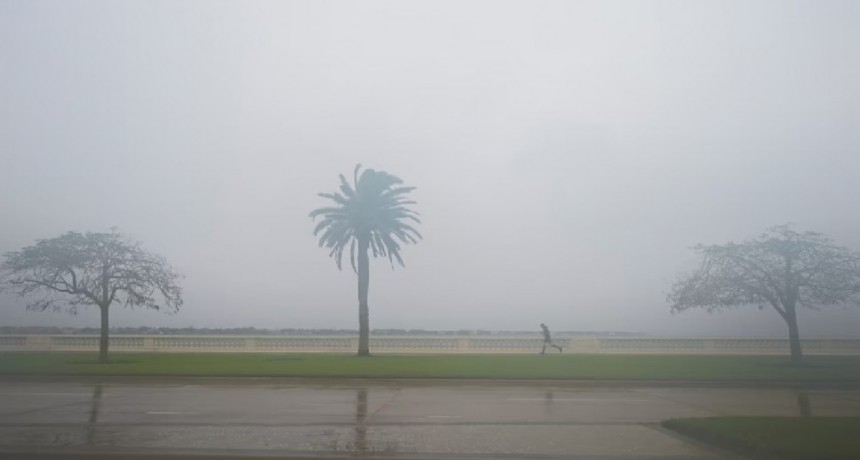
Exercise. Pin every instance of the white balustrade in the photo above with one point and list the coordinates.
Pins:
(424, 344)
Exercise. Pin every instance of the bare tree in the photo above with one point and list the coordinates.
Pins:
(371, 215)
(75, 270)
(782, 268)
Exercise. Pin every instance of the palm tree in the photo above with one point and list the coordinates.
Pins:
(370, 216)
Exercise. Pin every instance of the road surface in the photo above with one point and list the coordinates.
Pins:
(391, 419)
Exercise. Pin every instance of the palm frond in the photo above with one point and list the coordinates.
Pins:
(345, 188)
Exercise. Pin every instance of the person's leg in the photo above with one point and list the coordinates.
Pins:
(543, 350)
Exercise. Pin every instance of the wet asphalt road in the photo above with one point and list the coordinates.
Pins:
(381, 419)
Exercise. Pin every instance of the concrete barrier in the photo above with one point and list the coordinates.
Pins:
(423, 344)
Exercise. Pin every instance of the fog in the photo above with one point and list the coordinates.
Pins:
(566, 154)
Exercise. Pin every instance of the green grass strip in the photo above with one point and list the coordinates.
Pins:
(559, 366)
(797, 438)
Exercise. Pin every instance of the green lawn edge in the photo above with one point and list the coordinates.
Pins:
(708, 368)
(789, 438)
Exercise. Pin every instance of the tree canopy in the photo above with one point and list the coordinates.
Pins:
(375, 209)
(782, 269)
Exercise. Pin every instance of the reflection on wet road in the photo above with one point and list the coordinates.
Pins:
(384, 418)
(94, 415)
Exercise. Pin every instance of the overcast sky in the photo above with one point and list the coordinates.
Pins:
(567, 154)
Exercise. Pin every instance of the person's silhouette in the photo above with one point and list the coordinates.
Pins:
(547, 340)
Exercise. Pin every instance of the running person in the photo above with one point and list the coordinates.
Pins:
(547, 340)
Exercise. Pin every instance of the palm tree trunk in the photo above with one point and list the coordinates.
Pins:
(363, 286)
(103, 339)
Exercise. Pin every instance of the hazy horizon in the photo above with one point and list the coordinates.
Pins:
(566, 154)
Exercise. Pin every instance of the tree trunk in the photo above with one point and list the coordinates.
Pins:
(103, 339)
(793, 335)
(363, 286)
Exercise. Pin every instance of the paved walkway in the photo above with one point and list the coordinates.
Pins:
(391, 419)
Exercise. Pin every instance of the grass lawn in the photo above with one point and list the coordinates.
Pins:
(799, 438)
(563, 367)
